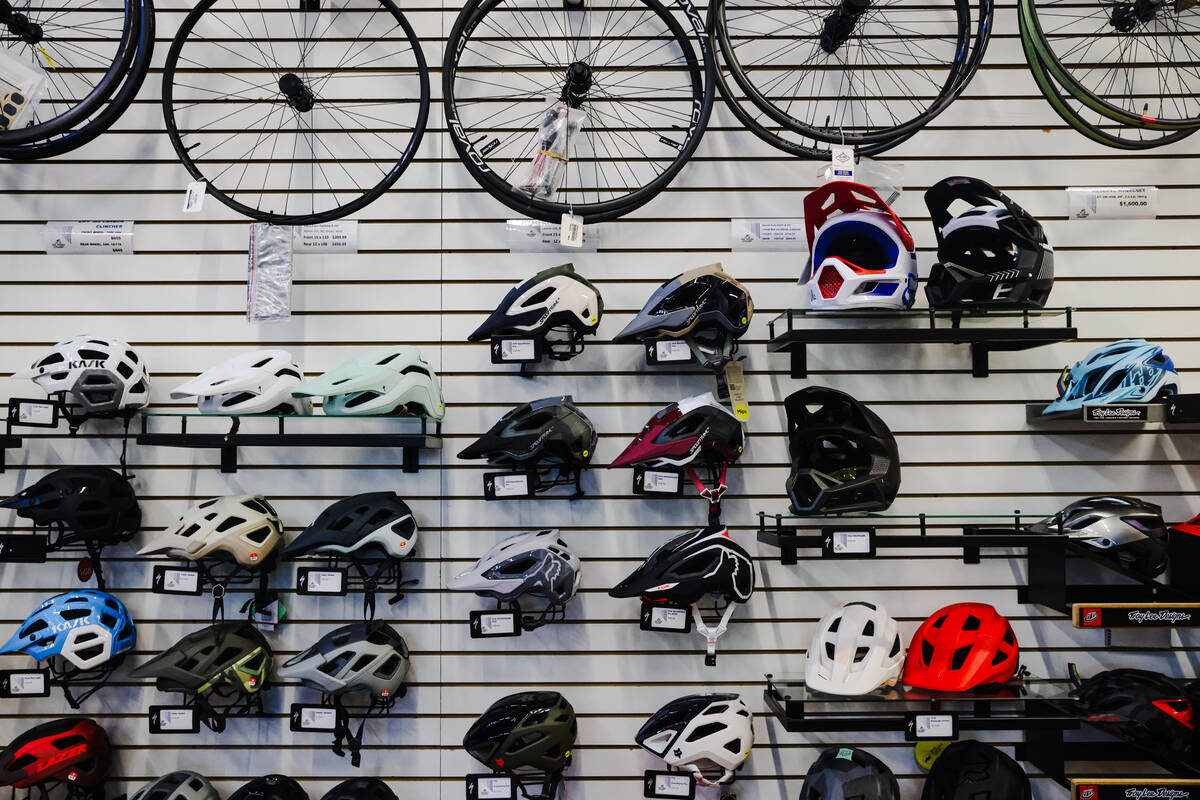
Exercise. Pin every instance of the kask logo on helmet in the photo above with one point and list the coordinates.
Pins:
(84, 364)
(59, 627)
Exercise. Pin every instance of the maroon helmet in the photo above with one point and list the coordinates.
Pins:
(694, 429)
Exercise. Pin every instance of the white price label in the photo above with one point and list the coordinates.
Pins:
(672, 619)
(83, 237)
(318, 719)
(495, 788)
(841, 162)
(511, 485)
(497, 624)
(672, 350)
(767, 234)
(176, 719)
(672, 785)
(181, 580)
(935, 726)
(339, 236)
(572, 230)
(657, 481)
(850, 542)
(193, 198)
(517, 349)
(322, 581)
(26, 683)
(1112, 202)
(535, 236)
(35, 413)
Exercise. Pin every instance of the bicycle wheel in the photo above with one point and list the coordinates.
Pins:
(295, 117)
(631, 68)
(84, 51)
(847, 71)
(1133, 61)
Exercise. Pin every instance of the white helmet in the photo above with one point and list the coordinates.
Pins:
(537, 563)
(860, 254)
(259, 382)
(388, 380)
(701, 733)
(102, 376)
(555, 299)
(244, 528)
(856, 650)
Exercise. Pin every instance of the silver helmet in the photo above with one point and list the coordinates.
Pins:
(1125, 530)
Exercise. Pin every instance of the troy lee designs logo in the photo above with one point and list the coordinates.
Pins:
(1155, 793)
(1160, 616)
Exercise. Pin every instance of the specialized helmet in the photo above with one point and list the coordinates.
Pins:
(88, 628)
(85, 504)
(100, 376)
(370, 525)
(231, 657)
(848, 773)
(72, 749)
(962, 646)
(270, 787)
(557, 298)
(260, 382)
(389, 380)
(538, 563)
(701, 733)
(694, 429)
(529, 729)
(861, 253)
(360, 789)
(993, 254)
(693, 565)
(1146, 707)
(1127, 531)
(705, 307)
(181, 785)
(547, 431)
(972, 770)
(242, 528)
(844, 458)
(1126, 371)
(856, 650)
(368, 656)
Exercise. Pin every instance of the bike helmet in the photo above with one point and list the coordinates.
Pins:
(693, 565)
(360, 789)
(694, 429)
(549, 431)
(72, 749)
(848, 773)
(389, 380)
(972, 770)
(861, 254)
(370, 525)
(242, 528)
(270, 787)
(962, 646)
(99, 376)
(533, 730)
(705, 307)
(701, 733)
(993, 254)
(260, 382)
(844, 458)
(181, 785)
(84, 503)
(1145, 707)
(557, 298)
(364, 656)
(1128, 532)
(537, 563)
(86, 627)
(229, 656)
(1126, 371)
(856, 650)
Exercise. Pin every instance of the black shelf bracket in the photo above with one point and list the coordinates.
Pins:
(8, 442)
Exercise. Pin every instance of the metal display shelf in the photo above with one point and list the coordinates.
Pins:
(1182, 409)
(409, 442)
(794, 338)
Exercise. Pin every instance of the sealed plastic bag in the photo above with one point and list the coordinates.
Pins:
(558, 127)
(269, 288)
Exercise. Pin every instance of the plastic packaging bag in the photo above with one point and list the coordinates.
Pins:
(269, 287)
(559, 125)
(22, 86)
(886, 179)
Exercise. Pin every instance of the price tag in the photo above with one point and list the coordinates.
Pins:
(1112, 202)
(664, 617)
(572, 230)
(339, 236)
(515, 351)
(777, 235)
(321, 580)
(35, 414)
(85, 236)
(173, 580)
(535, 236)
(500, 485)
(174, 719)
(25, 683)
(931, 726)
(668, 351)
(489, 787)
(669, 784)
(841, 162)
(491, 624)
(656, 481)
(316, 718)
(23, 548)
(193, 198)
(847, 542)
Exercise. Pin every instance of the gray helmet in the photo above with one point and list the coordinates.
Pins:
(181, 785)
(362, 656)
(537, 563)
(1124, 530)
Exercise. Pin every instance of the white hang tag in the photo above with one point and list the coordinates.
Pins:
(193, 199)
(841, 162)
(572, 230)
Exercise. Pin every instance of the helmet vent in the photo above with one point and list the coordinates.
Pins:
(291, 373)
(93, 355)
(734, 745)
(861, 653)
(387, 668)
(21, 763)
(1008, 637)
(90, 651)
(830, 282)
(414, 368)
(869, 628)
(362, 663)
(837, 621)
(895, 648)
(108, 621)
(74, 613)
(229, 522)
(34, 627)
(254, 504)
(53, 358)
(240, 397)
(335, 664)
(360, 398)
(703, 731)
(124, 370)
(191, 531)
(972, 623)
(926, 652)
(999, 658)
(716, 709)
(960, 657)
(539, 297)
(829, 650)
(380, 517)
(260, 534)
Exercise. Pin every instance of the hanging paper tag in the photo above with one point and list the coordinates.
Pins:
(25, 683)
(735, 382)
(321, 580)
(490, 787)
(316, 718)
(489, 624)
(172, 580)
(664, 617)
(572, 230)
(1112, 202)
(841, 162)
(268, 617)
(767, 234)
(669, 785)
(193, 198)
(174, 719)
(535, 236)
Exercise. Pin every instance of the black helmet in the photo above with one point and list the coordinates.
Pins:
(529, 729)
(1127, 531)
(550, 431)
(994, 254)
(556, 299)
(224, 656)
(972, 770)
(370, 525)
(84, 503)
(1138, 704)
(844, 458)
(847, 773)
(360, 789)
(691, 566)
(270, 787)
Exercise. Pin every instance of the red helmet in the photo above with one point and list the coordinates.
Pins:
(960, 647)
(74, 749)
(694, 429)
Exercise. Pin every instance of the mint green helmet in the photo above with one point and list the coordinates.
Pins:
(390, 380)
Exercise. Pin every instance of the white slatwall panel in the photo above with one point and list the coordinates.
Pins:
(433, 262)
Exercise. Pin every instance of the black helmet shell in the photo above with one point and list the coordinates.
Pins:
(848, 773)
(368, 525)
(528, 729)
(691, 566)
(87, 503)
(550, 431)
(1140, 705)
(270, 787)
(972, 770)
(360, 789)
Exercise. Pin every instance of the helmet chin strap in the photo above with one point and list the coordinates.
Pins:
(712, 495)
(711, 634)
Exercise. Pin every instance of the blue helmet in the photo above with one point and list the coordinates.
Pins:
(1127, 371)
(88, 628)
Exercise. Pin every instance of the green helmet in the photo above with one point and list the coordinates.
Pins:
(528, 729)
(390, 380)
(227, 654)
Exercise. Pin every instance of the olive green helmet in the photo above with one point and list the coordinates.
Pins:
(222, 656)
(528, 729)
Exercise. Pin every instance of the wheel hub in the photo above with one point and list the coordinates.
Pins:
(841, 23)
(19, 25)
(577, 84)
(1126, 17)
(297, 93)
